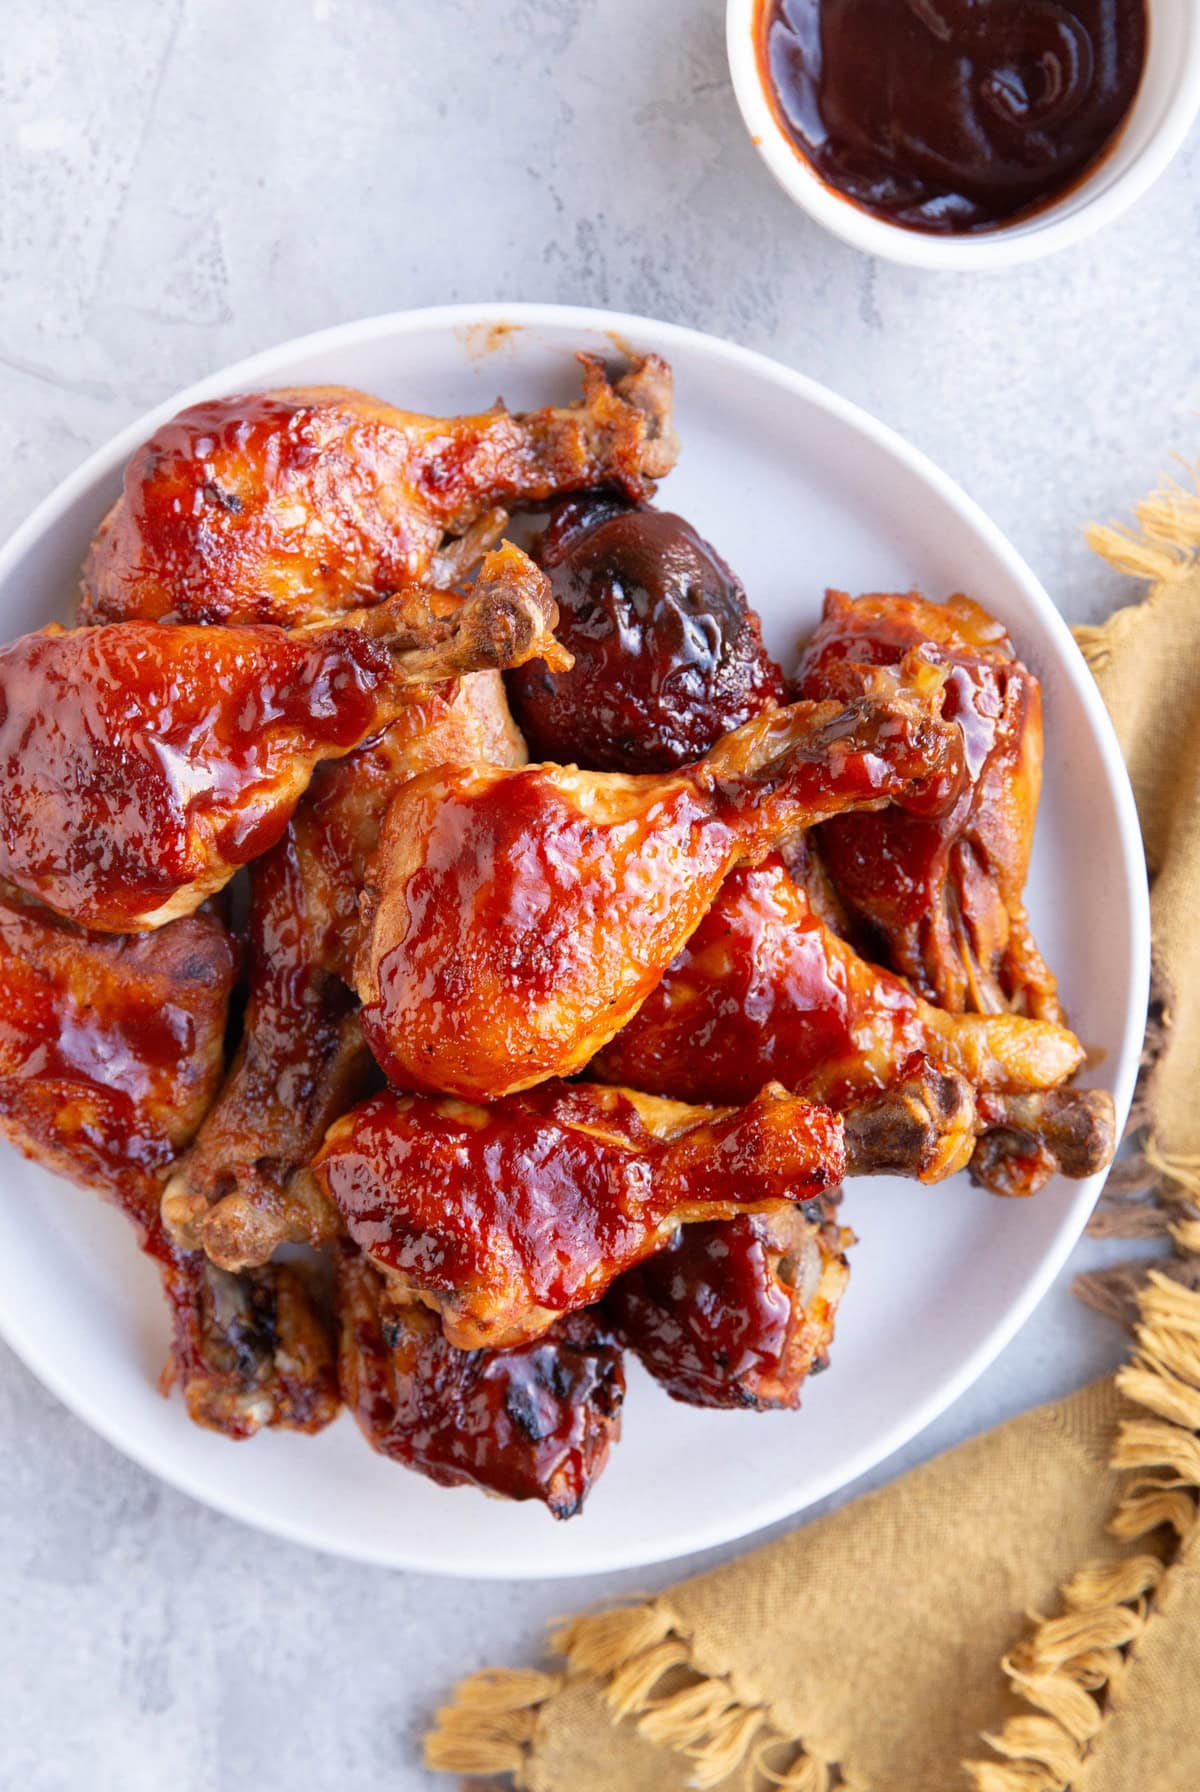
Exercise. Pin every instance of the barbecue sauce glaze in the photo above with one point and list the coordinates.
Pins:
(952, 116)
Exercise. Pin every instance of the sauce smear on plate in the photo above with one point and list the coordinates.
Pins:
(952, 116)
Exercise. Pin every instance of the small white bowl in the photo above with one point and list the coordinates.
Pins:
(1162, 114)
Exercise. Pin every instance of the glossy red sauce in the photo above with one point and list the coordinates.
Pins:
(731, 1314)
(891, 860)
(523, 915)
(533, 1422)
(259, 508)
(762, 992)
(709, 1312)
(123, 748)
(540, 1200)
(951, 116)
(109, 1047)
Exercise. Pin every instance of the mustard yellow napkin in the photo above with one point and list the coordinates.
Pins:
(1023, 1614)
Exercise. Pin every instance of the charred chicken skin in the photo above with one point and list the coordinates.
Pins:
(292, 506)
(141, 764)
(532, 1423)
(111, 1050)
(302, 1061)
(738, 1313)
(668, 655)
(505, 1218)
(764, 990)
(941, 897)
(518, 919)
(248, 1352)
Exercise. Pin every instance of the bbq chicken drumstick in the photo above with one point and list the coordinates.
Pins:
(535, 1422)
(142, 763)
(518, 919)
(942, 897)
(505, 1218)
(298, 505)
(738, 1313)
(765, 991)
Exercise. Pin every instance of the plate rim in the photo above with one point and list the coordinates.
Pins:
(756, 1515)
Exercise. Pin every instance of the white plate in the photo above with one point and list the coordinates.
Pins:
(798, 490)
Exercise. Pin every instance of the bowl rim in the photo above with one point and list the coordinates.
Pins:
(466, 318)
(1027, 240)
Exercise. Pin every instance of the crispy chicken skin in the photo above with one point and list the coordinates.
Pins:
(302, 1060)
(141, 764)
(942, 897)
(532, 1423)
(505, 1218)
(518, 919)
(764, 990)
(738, 1313)
(300, 504)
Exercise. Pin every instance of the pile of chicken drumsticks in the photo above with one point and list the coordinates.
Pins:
(510, 930)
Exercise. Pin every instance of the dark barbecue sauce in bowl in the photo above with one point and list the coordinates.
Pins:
(951, 116)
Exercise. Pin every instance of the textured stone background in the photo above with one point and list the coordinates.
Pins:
(185, 181)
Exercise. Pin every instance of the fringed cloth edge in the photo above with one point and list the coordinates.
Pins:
(640, 1656)
(1162, 546)
(1066, 1669)
(1069, 1667)
(1149, 1194)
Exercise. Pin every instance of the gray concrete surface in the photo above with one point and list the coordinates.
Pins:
(185, 181)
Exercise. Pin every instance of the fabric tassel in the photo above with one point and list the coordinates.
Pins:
(1160, 548)
(491, 1724)
(1067, 1667)
(601, 1642)
(803, 1773)
(645, 1661)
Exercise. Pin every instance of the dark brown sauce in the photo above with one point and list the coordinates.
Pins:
(951, 116)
